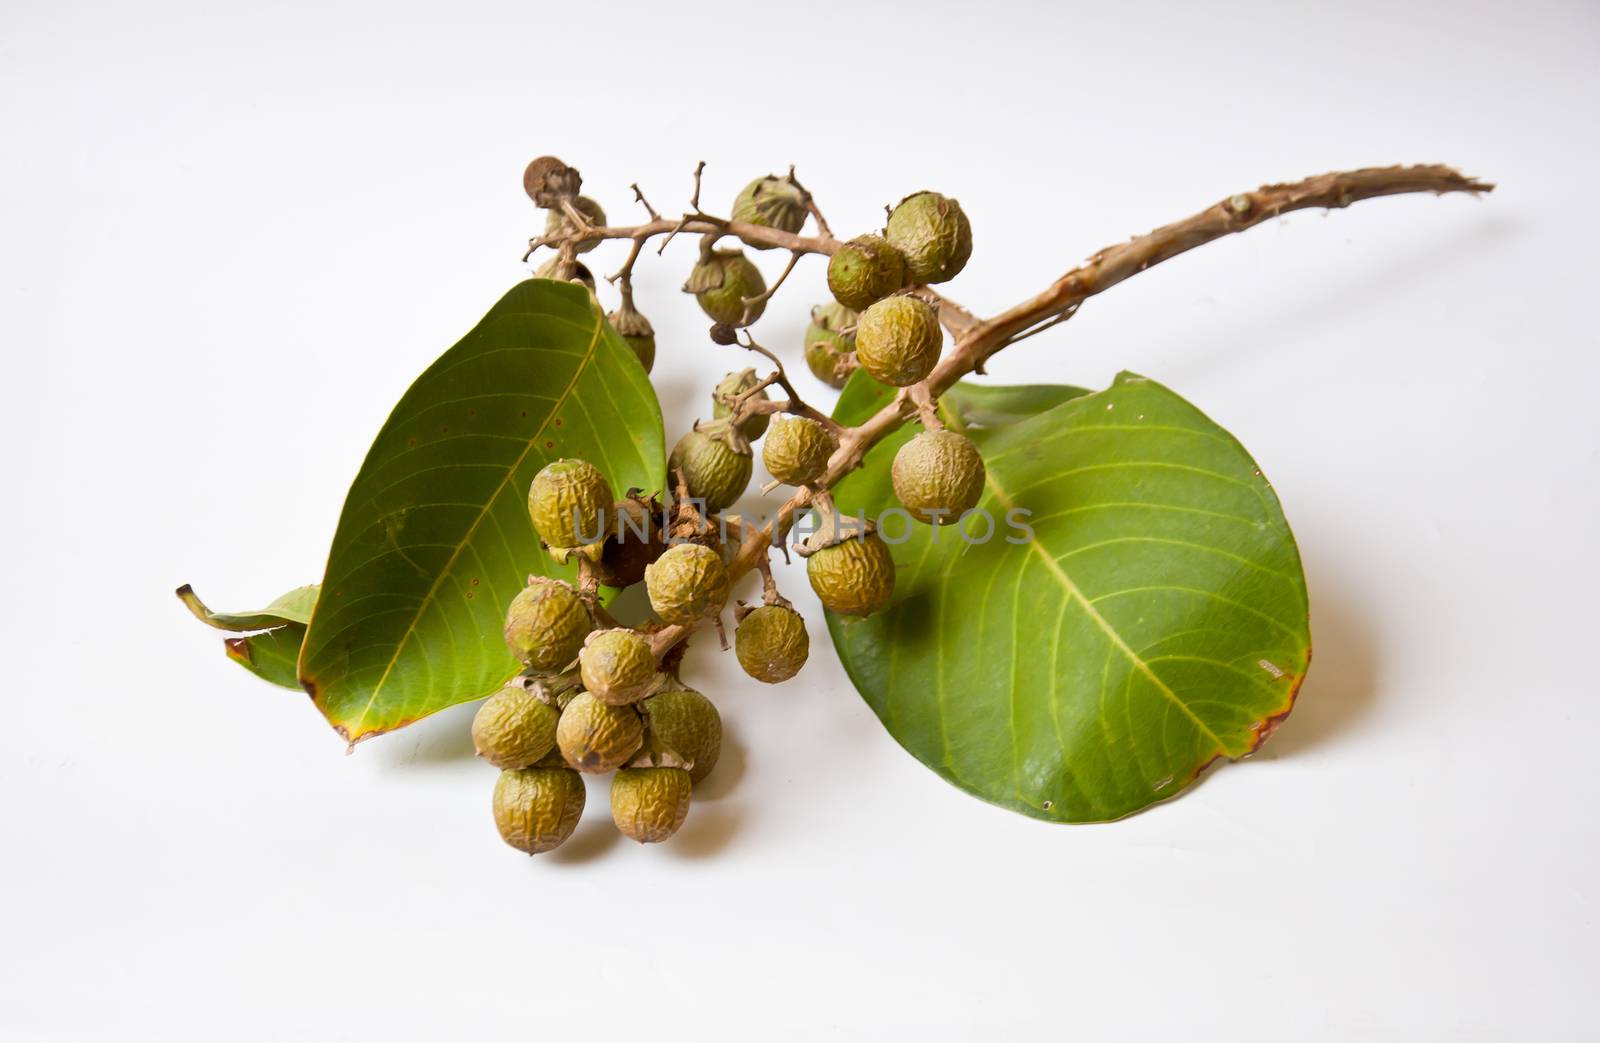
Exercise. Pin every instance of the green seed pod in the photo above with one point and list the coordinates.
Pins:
(580, 273)
(772, 643)
(558, 223)
(933, 234)
(720, 284)
(898, 340)
(636, 332)
(771, 202)
(732, 386)
(830, 352)
(854, 577)
(866, 269)
(617, 665)
(514, 728)
(650, 804)
(537, 809)
(546, 624)
(938, 475)
(597, 737)
(716, 471)
(687, 583)
(570, 503)
(686, 723)
(796, 450)
(633, 540)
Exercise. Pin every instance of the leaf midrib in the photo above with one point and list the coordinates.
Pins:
(1074, 592)
(352, 730)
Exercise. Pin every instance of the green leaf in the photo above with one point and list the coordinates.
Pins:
(270, 653)
(434, 539)
(1150, 619)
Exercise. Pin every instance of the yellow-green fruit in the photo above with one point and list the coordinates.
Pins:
(830, 352)
(716, 472)
(546, 624)
(685, 722)
(596, 736)
(687, 583)
(933, 234)
(732, 387)
(855, 577)
(537, 809)
(558, 223)
(722, 282)
(937, 476)
(898, 340)
(649, 804)
(514, 728)
(771, 202)
(796, 450)
(580, 273)
(866, 269)
(636, 332)
(570, 503)
(617, 665)
(772, 643)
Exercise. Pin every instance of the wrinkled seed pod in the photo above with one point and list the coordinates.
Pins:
(938, 471)
(730, 388)
(898, 340)
(720, 284)
(650, 804)
(547, 180)
(636, 332)
(687, 583)
(596, 736)
(633, 540)
(514, 728)
(536, 809)
(558, 223)
(796, 449)
(716, 472)
(854, 577)
(546, 624)
(686, 722)
(865, 270)
(570, 503)
(772, 643)
(771, 202)
(829, 352)
(617, 666)
(934, 235)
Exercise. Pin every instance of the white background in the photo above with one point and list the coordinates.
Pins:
(234, 233)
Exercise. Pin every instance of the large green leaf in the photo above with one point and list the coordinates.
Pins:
(266, 642)
(434, 539)
(1151, 618)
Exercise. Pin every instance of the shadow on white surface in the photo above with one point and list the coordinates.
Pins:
(726, 775)
(596, 834)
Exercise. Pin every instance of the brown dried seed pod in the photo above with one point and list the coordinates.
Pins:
(938, 475)
(514, 728)
(633, 540)
(536, 809)
(547, 181)
(596, 736)
(650, 804)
